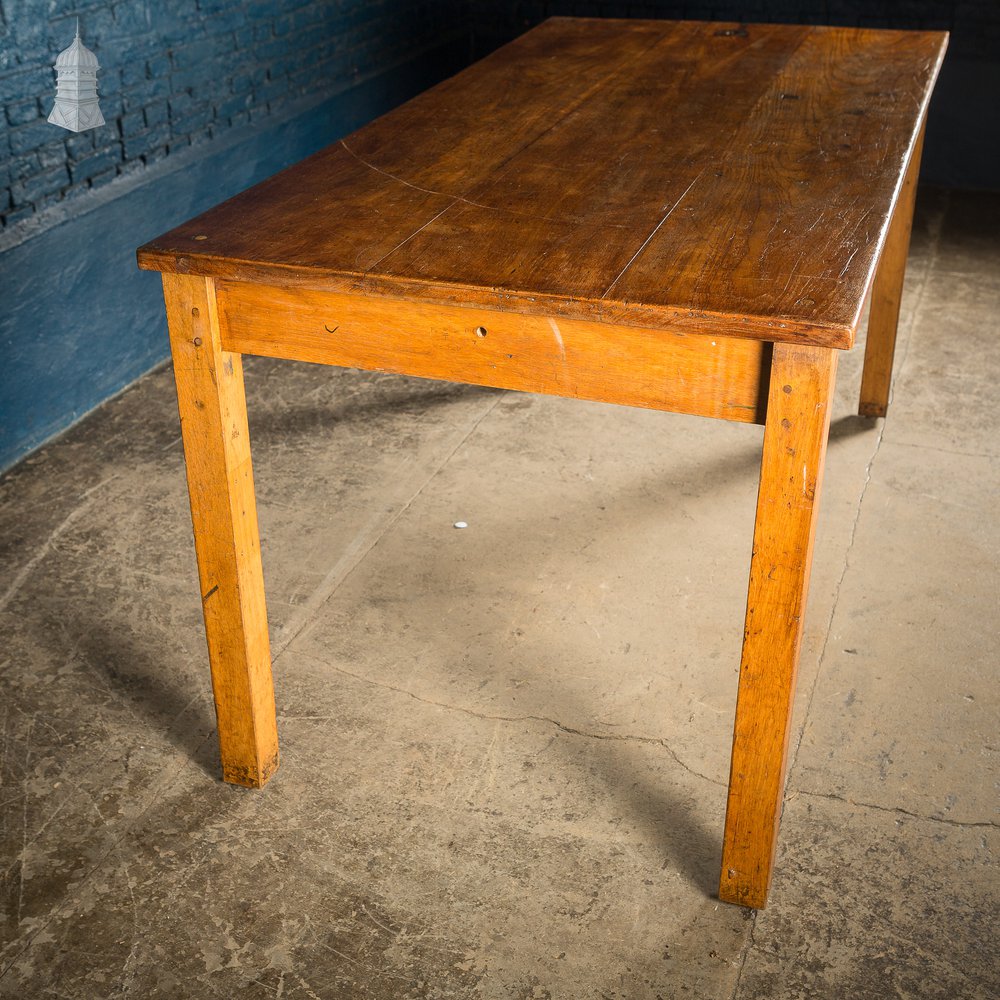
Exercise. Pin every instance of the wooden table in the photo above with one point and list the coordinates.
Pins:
(677, 215)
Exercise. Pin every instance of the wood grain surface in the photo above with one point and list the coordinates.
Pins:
(213, 414)
(791, 476)
(694, 176)
(887, 296)
(722, 377)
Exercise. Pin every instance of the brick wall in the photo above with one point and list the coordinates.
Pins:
(180, 72)
(975, 24)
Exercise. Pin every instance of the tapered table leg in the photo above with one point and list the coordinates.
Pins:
(795, 436)
(887, 294)
(220, 481)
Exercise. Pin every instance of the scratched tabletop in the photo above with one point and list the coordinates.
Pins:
(711, 177)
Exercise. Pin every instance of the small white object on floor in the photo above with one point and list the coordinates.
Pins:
(461, 524)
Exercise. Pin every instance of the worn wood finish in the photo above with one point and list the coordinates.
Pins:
(649, 173)
(224, 511)
(716, 377)
(795, 437)
(686, 216)
(887, 296)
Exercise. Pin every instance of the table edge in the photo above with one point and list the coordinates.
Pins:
(774, 329)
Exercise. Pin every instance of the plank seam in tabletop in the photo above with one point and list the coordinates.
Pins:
(559, 122)
(786, 55)
(802, 82)
(568, 109)
(690, 152)
(815, 38)
(702, 321)
(656, 229)
(463, 198)
(564, 113)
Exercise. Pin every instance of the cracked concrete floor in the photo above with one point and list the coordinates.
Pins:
(505, 747)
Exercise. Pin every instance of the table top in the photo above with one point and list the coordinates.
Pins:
(703, 177)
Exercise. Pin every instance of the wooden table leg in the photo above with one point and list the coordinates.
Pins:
(224, 511)
(887, 294)
(795, 435)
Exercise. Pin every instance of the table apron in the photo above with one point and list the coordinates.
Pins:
(713, 376)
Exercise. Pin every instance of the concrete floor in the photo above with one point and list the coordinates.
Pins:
(504, 748)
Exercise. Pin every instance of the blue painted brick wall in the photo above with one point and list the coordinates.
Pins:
(179, 72)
